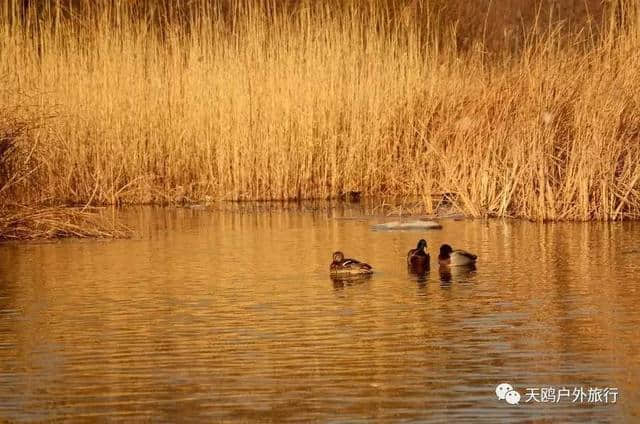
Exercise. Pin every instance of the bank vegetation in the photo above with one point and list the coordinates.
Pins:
(536, 116)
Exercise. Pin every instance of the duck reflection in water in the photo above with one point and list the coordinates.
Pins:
(460, 274)
(420, 274)
(342, 281)
(421, 279)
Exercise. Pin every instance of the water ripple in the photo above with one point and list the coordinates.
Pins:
(182, 326)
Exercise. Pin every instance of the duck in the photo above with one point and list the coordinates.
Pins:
(450, 257)
(342, 265)
(418, 257)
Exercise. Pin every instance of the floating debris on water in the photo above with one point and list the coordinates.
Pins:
(409, 225)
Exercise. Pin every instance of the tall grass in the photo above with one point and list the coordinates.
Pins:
(263, 100)
(21, 156)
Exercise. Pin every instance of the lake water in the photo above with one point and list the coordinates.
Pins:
(231, 316)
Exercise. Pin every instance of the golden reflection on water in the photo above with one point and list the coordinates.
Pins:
(214, 315)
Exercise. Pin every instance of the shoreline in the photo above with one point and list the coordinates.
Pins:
(47, 223)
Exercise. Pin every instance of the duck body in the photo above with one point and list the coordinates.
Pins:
(348, 266)
(419, 258)
(450, 257)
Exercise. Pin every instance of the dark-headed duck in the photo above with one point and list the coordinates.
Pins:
(418, 257)
(450, 257)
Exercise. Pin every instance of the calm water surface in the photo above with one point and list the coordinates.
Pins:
(231, 316)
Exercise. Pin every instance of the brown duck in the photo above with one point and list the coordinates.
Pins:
(342, 265)
(418, 258)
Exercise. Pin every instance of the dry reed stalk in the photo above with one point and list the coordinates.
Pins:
(253, 103)
(28, 223)
(21, 157)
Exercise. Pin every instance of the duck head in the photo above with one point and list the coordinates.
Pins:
(445, 251)
(338, 256)
(422, 245)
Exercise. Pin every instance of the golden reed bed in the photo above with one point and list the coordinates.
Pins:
(255, 100)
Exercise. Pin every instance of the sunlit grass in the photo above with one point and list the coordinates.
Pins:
(314, 103)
